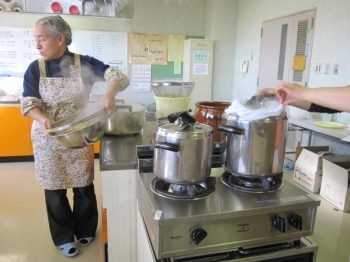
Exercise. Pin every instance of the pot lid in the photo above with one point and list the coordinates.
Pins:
(78, 120)
(196, 128)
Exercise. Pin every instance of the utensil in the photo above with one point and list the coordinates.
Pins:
(81, 128)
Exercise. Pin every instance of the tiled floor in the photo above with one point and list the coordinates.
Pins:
(24, 233)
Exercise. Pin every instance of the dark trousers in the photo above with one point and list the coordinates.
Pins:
(64, 222)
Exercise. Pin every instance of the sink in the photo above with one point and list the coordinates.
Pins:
(98, 8)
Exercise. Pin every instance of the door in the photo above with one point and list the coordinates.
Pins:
(285, 52)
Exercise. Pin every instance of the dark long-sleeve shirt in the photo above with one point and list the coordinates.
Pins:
(92, 70)
(322, 109)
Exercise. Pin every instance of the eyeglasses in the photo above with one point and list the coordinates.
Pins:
(40, 41)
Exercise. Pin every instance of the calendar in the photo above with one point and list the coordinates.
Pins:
(141, 78)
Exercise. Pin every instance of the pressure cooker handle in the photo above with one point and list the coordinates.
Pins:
(231, 129)
(167, 146)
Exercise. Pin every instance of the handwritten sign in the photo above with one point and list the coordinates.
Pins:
(18, 49)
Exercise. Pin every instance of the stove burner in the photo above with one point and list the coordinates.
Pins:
(183, 191)
(252, 184)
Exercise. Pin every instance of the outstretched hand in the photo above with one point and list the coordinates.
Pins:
(289, 93)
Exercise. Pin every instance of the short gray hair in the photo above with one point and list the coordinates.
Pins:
(57, 26)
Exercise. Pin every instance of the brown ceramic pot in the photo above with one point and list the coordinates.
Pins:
(209, 113)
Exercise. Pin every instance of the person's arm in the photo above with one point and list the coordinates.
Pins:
(108, 99)
(300, 104)
(331, 97)
(117, 81)
(39, 117)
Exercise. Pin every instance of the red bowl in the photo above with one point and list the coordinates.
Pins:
(56, 7)
(74, 10)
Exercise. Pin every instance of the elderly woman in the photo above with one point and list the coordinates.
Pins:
(56, 86)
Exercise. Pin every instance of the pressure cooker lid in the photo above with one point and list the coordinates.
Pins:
(196, 128)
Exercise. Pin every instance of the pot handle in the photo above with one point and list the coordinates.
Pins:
(128, 107)
(120, 101)
(167, 146)
(231, 129)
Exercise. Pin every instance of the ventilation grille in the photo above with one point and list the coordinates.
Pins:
(301, 45)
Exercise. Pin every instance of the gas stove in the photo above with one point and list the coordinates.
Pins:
(183, 191)
(225, 222)
(252, 184)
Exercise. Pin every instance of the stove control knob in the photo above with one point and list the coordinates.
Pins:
(279, 223)
(296, 221)
(198, 235)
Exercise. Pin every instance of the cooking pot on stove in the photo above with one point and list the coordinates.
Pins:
(182, 150)
(253, 148)
(127, 118)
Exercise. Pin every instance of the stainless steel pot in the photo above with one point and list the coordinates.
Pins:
(183, 156)
(253, 148)
(80, 129)
(127, 119)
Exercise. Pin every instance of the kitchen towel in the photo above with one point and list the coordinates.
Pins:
(270, 108)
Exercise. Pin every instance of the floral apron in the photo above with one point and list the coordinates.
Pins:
(59, 167)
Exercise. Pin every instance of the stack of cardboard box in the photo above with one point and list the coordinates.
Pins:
(318, 171)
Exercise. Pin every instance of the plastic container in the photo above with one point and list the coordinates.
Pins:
(168, 105)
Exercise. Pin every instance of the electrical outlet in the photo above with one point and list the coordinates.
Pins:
(327, 67)
(336, 69)
(318, 69)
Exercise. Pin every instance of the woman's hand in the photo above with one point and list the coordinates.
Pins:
(108, 102)
(108, 99)
(38, 116)
(289, 93)
(46, 124)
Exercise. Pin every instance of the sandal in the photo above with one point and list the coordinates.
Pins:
(289, 166)
(69, 249)
(83, 242)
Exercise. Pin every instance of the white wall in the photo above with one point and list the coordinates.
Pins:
(177, 17)
(330, 44)
(221, 26)
(235, 26)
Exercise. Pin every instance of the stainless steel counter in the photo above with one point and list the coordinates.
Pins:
(119, 152)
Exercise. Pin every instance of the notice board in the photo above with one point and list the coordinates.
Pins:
(17, 48)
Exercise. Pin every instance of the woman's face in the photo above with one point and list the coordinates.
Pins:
(49, 47)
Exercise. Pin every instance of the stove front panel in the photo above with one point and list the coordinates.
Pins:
(227, 234)
(225, 220)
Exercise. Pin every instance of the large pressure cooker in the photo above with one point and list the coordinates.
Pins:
(253, 148)
(183, 150)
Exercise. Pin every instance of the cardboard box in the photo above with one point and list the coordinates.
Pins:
(335, 181)
(308, 167)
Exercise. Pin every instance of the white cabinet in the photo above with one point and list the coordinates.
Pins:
(119, 201)
(144, 253)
